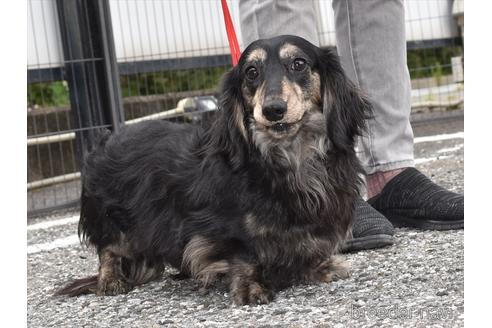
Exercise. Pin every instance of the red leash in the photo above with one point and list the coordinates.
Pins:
(231, 34)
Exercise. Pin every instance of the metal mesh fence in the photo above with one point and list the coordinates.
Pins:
(96, 64)
(48, 113)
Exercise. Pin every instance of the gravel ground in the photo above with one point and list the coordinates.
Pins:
(417, 282)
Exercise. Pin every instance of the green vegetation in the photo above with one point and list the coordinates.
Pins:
(171, 81)
(55, 94)
(434, 62)
(51, 94)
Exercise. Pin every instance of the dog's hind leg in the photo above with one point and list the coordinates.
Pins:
(117, 275)
(246, 286)
(111, 280)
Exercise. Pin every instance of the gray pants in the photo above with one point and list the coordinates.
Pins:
(371, 43)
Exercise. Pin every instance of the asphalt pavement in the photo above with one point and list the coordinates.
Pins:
(417, 282)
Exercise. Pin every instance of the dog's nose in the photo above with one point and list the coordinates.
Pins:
(274, 110)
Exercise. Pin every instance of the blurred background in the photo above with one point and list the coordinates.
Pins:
(97, 64)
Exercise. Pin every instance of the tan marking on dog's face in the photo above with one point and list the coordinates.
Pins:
(257, 55)
(292, 94)
(297, 103)
(257, 103)
(239, 118)
(316, 88)
(288, 51)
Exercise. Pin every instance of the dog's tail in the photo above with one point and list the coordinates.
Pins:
(79, 287)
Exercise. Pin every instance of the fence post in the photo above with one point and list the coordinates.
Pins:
(90, 68)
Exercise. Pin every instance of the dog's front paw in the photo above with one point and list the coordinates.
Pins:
(335, 268)
(251, 292)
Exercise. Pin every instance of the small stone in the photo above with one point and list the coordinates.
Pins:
(279, 312)
(442, 292)
(360, 303)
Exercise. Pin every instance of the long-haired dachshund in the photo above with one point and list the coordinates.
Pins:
(263, 198)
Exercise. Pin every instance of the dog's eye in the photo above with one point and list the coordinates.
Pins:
(251, 73)
(299, 64)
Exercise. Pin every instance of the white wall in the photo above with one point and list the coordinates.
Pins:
(429, 19)
(44, 47)
(160, 29)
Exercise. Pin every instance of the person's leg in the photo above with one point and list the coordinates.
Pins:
(261, 19)
(372, 45)
(388, 147)
(269, 18)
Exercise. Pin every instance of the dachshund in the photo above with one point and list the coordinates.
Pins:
(262, 199)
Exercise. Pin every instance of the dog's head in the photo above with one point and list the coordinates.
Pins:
(285, 83)
(280, 84)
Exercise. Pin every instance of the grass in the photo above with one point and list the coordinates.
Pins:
(434, 62)
(171, 81)
(50, 94)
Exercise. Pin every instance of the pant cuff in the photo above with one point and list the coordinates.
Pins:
(381, 167)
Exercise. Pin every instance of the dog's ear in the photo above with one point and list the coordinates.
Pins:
(229, 135)
(232, 103)
(345, 108)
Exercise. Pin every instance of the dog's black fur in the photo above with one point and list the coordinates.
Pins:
(263, 203)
